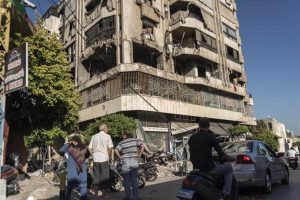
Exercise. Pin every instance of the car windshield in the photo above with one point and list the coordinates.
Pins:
(237, 147)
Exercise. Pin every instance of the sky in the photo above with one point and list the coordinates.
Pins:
(270, 31)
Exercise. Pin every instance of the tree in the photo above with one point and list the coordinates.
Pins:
(296, 144)
(117, 124)
(238, 130)
(49, 107)
(266, 136)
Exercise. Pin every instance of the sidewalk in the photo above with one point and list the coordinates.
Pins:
(37, 187)
(41, 188)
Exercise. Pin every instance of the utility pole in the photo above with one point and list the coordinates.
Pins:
(5, 20)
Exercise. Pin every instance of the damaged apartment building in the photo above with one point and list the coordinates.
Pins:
(163, 62)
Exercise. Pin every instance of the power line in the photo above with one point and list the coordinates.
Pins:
(68, 21)
(72, 13)
(40, 7)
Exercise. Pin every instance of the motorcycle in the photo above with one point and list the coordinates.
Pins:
(201, 185)
(293, 162)
(158, 157)
(150, 170)
(116, 178)
(10, 174)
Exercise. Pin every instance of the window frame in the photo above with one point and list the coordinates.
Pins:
(227, 29)
(234, 52)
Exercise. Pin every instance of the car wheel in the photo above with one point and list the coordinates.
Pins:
(268, 183)
(286, 179)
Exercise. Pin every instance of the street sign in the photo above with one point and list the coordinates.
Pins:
(16, 69)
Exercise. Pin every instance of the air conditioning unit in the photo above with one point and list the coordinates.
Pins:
(139, 2)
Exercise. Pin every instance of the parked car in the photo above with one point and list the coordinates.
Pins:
(256, 164)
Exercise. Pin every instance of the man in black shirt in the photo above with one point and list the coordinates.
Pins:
(200, 146)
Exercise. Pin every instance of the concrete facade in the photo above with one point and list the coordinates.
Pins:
(51, 20)
(279, 130)
(182, 57)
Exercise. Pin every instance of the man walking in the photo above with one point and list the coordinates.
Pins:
(129, 150)
(101, 149)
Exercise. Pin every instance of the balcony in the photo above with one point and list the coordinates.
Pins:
(150, 12)
(94, 14)
(164, 93)
(203, 52)
(186, 21)
(234, 65)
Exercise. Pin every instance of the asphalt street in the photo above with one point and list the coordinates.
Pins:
(279, 191)
(168, 190)
(163, 189)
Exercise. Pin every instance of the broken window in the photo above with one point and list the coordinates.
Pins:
(146, 55)
(229, 32)
(104, 28)
(94, 3)
(71, 52)
(72, 28)
(233, 76)
(270, 126)
(148, 26)
(201, 71)
(148, 29)
(232, 53)
(195, 12)
(203, 39)
(73, 73)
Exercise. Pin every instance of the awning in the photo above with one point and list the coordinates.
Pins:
(183, 127)
(220, 128)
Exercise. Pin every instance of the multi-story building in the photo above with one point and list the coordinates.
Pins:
(160, 61)
(279, 130)
(51, 20)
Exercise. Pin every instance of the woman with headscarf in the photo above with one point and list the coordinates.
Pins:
(76, 153)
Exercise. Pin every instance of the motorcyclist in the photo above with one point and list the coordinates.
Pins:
(291, 153)
(200, 147)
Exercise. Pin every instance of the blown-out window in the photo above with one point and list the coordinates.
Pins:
(232, 53)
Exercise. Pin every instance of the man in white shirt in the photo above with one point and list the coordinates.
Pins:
(291, 153)
(100, 148)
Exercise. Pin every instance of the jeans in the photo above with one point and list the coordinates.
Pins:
(82, 189)
(227, 171)
(130, 169)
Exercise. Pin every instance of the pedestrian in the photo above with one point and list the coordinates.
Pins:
(76, 153)
(129, 150)
(101, 149)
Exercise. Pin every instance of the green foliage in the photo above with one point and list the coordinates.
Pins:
(238, 130)
(42, 136)
(267, 137)
(49, 107)
(117, 124)
(296, 144)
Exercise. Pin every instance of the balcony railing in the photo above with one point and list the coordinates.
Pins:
(202, 52)
(146, 84)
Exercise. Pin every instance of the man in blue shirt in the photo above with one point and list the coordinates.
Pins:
(129, 150)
